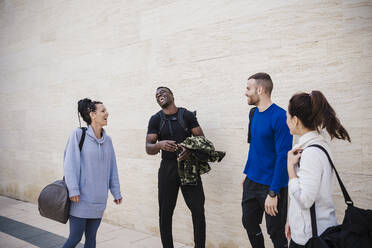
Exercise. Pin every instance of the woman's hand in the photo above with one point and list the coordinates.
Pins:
(293, 158)
(75, 198)
(287, 231)
(118, 201)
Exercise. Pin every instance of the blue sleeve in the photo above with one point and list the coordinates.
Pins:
(283, 143)
(114, 177)
(71, 163)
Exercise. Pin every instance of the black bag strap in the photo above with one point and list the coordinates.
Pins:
(180, 119)
(81, 143)
(251, 112)
(84, 129)
(162, 120)
(347, 198)
(313, 221)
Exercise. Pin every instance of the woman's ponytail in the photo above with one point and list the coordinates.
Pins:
(325, 117)
(316, 113)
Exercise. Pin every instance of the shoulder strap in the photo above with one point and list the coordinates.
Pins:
(84, 129)
(180, 118)
(313, 221)
(162, 120)
(251, 112)
(81, 143)
(347, 198)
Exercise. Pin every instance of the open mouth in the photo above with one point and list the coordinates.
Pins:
(161, 99)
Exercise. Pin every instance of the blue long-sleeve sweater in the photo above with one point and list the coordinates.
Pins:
(90, 173)
(271, 141)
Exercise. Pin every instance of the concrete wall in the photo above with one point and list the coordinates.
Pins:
(53, 53)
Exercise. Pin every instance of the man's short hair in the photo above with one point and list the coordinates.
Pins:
(164, 87)
(263, 79)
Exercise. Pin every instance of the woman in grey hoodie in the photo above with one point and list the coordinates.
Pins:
(89, 174)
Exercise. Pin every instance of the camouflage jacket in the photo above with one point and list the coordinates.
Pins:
(202, 152)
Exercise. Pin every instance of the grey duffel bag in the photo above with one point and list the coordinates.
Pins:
(54, 202)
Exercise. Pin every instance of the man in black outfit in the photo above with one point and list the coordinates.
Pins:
(167, 128)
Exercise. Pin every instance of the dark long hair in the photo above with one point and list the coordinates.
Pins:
(85, 106)
(315, 113)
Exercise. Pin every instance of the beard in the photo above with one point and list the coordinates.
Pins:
(253, 100)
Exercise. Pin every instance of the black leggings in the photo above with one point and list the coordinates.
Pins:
(168, 186)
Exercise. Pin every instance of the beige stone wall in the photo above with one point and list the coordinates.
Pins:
(53, 53)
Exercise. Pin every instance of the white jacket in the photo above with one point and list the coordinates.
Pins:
(314, 184)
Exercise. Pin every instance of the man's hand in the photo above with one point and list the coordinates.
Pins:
(75, 198)
(167, 145)
(118, 201)
(244, 176)
(271, 204)
(184, 154)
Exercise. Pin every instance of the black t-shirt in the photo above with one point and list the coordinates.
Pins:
(179, 134)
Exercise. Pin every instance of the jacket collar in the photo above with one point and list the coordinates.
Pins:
(310, 138)
(91, 134)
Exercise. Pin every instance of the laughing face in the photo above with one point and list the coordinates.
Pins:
(100, 115)
(164, 97)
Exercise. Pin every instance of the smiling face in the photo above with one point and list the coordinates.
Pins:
(251, 92)
(164, 97)
(99, 117)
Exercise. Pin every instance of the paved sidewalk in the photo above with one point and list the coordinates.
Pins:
(21, 226)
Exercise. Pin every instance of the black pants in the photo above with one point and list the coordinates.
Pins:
(253, 206)
(292, 244)
(168, 186)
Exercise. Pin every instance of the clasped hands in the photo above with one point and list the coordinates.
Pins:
(172, 146)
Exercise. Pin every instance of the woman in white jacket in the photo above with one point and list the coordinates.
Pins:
(311, 179)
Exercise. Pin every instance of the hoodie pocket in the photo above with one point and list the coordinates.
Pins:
(94, 189)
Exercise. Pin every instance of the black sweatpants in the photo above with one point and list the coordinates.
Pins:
(253, 206)
(168, 186)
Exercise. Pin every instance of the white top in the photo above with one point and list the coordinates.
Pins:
(314, 184)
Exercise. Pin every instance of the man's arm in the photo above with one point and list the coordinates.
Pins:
(197, 131)
(283, 143)
(153, 147)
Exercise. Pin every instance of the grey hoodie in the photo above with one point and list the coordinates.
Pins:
(90, 173)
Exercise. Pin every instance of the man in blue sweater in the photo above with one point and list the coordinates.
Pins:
(266, 179)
